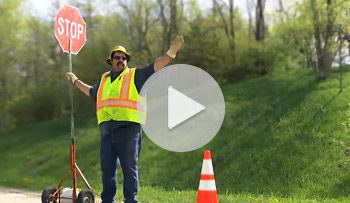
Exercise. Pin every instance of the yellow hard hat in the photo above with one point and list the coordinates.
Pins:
(121, 49)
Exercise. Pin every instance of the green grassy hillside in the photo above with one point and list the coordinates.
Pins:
(284, 138)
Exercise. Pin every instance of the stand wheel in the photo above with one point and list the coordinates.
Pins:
(86, 196)
(45, 195)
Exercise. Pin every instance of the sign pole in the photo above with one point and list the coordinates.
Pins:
(71, 95)
(70, 32)
(71, 92)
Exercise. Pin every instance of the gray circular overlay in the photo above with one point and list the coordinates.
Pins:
(181, 108)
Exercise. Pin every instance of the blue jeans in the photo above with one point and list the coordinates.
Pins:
(124, 143)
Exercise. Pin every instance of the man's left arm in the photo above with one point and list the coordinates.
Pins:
(171, 53)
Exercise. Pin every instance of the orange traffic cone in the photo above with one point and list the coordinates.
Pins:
(207, 189)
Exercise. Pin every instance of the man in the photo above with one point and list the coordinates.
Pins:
(116, 96)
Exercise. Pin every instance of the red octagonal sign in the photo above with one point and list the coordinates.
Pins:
(70, 25)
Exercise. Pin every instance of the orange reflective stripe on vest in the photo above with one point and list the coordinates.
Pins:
(117, 103)
(124, 91)
(123, 100)
(100, 90)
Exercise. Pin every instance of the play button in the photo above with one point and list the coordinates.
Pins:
(181, 108)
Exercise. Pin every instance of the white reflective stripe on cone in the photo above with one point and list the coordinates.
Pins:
(207, 167)
(207, 185)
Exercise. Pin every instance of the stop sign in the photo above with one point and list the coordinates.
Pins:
(70, 26)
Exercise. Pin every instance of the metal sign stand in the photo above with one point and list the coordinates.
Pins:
(74, 167)
(56, 195)
(50, 194)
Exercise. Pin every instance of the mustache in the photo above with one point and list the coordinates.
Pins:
(119, 63)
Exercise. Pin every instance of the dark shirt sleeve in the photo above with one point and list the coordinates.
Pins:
(93, 91)
(142, 74)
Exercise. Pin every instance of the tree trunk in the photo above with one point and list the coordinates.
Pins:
(229, 29)
(340, 39)
(219, 10)
(280, 5)
(232, 29)
(324, 55)
(214, 9)
(250, 7)
(139, 23)
(260, 22)
(173, 30)
(164, 23)
(170, 27)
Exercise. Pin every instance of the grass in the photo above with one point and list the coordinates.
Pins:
(285, 138)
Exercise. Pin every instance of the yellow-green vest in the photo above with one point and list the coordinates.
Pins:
(117, 100)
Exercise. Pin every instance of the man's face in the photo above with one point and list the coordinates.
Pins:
(118, 61)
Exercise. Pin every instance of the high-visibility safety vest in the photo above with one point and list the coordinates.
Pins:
(117, 100)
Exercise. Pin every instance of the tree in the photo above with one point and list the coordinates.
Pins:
(343, 35)
(296, 36)
(250, 7)
(169, 26)
(260, 20)
(298, 30)
(280, 6)
(232, 28)
(324, 16)
(10, 35)
(341, 40)
(140, 18)
(228, 27)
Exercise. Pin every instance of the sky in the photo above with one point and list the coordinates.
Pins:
(41, 8)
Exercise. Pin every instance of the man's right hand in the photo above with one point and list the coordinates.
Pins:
(71, 76)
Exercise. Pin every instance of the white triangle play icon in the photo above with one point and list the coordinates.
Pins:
(181, 107)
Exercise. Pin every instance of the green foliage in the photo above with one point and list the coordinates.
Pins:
(325, 15)
(36, 104)
(30, 53)
(255, 59)
(293, 38)
(251, 61)
(10, 23)
(203, 50)
(194, 12)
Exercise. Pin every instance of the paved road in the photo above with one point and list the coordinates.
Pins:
(18, 196)
(8, 195)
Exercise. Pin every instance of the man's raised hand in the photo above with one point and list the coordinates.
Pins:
(176, 44)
